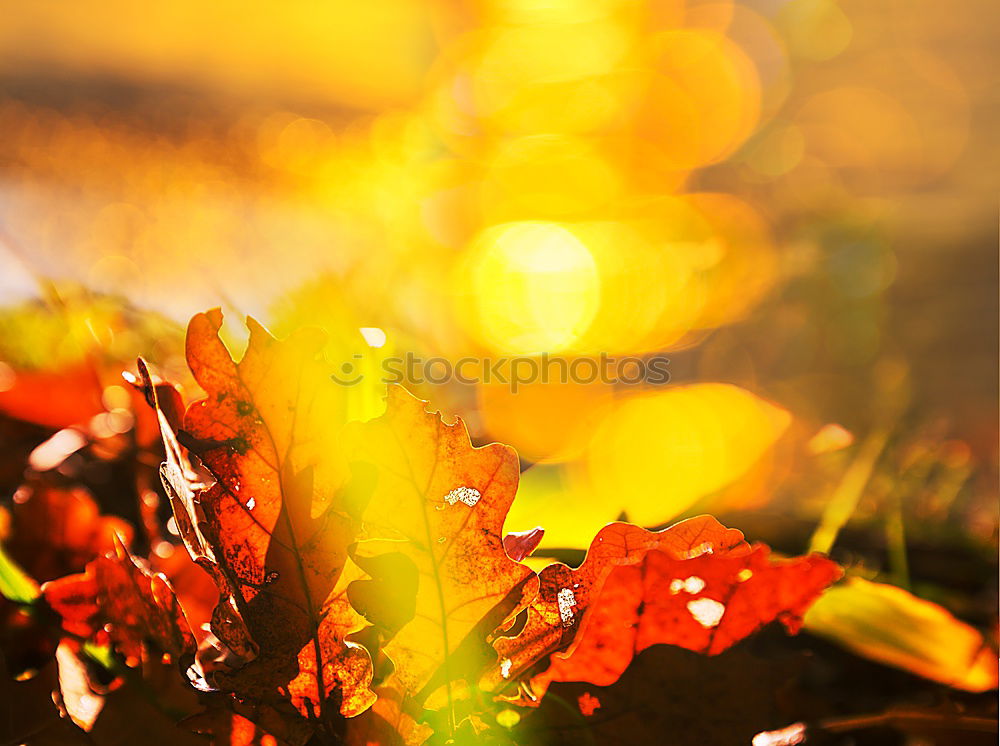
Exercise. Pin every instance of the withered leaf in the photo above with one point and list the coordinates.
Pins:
(117, 601)
(696, 584)
(705, 604)
(274, 526)
(555, 614)
(438, 507)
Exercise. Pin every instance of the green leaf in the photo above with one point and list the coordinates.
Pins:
(15, 584)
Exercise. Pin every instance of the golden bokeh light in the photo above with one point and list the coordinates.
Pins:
(547, 420)
(534, 287)
(547, 176)
(649, 298)
(816, 29)
(701, 100)
(656, 454)
(527, 78)
(720, 183)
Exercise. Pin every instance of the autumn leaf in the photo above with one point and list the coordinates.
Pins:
(555, 614)
(272, 524)
(116, 601)
(434, 526)
(892, 626)
(704, 603)
(696, 585)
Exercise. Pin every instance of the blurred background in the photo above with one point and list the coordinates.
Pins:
(793, 200)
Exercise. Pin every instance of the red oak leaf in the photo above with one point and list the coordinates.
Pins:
(555, 614)
(696, 584)
(705, 603)
(116, 600)
(271, 522)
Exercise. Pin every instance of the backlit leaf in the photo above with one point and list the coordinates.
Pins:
(434, 525)
(274, 525)
(892, 626)
(116, 600)
(704, 603)
(15, 584)
(696, 585)
(564, 596)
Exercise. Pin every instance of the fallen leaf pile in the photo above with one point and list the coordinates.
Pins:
(364, 587)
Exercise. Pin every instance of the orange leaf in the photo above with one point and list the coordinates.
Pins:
(705, 604)
(434, 548)
(696, 584)
(554, 616)
(274, 525)
(117, 600)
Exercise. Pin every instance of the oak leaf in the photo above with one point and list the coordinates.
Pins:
(554, 616)
(116, 601)
(696, 584)
(272, 523)
(434, 524)
(704, 603)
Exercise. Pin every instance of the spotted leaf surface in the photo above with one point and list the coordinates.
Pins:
(433, 544)
(703, 603)
(117, 601)
(566, 596)
(270, 521)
